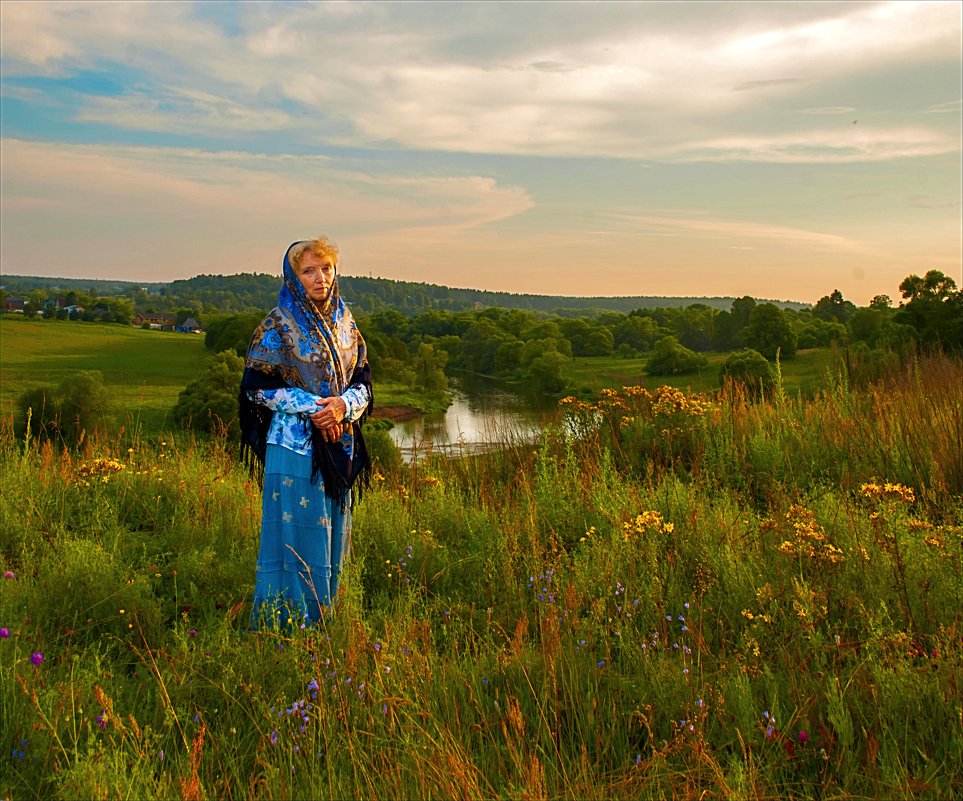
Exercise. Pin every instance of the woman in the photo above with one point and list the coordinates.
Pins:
(306, 386)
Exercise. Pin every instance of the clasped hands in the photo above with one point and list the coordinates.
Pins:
(329, 419)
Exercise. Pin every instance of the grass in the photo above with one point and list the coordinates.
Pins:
(688, 599)
(144, 370)
(803, 374)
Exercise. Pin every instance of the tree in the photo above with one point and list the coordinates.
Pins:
(934, 309)
(638, 333)
(833, 308)
(546, 372)
(210, 402)
(670, 357)
(769, 331)
(751, 369)
(429, 369)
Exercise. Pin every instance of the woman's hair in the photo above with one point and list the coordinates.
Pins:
(320, 246)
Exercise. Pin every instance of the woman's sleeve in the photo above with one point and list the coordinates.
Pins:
(356, 398)
(287, 400)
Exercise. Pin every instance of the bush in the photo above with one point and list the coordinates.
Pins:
(385, 455)
(671, 357)
(750, 368)
(210, 403)
(74, 409)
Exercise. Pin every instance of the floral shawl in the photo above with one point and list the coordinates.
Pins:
(317, 349)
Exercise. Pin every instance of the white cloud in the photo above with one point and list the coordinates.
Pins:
(199, 207)
(619, 80)
(820, 110)
(741, 229)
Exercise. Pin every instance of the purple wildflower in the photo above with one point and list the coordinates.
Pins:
(4, 633)
(803, 736)
(100, 720)
(274, 737)
(9, 575)
(36, 658)
(192, 633)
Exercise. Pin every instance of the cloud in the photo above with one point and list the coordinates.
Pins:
(950, 107)
(741, 230)
(632, 80)
(107, 203)
(181, 111)
(820, 110)
(849, 144)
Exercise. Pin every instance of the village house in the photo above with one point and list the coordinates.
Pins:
(158, 322)
(14, 303)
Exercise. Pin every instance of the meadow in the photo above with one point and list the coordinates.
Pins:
(144, 370)
(671, 595)
(804, 374)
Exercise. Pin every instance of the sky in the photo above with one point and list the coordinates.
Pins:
(774, 149)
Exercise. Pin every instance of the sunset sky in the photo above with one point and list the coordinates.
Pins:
(773, 149)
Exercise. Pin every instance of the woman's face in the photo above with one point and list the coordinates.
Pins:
(316, 274)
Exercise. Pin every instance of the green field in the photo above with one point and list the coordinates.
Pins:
(145, 370)
(803, 374)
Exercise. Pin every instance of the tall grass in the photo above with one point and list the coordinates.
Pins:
(693, 597)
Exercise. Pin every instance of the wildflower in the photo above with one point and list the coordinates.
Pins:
(274, 737)
(638, 760)
(387, 669)
(192, 633)
(9, 575)
(313, 685)
(384, 709)
(101, 721)
(686, 604)
(685, 628)
(4, 633)
(803, 736)
(699, 703)
(160, 755)
(601, 663)
(377, 646)
(36, 658)
(485, 682)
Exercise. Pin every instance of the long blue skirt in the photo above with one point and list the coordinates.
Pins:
(305, 536)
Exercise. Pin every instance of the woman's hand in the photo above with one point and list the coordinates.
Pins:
(332, 434)
(331, 413)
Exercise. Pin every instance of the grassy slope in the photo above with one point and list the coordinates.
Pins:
(145, 370)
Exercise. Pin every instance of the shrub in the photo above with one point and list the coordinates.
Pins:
(750, 368)
(74, 409)
(671, 357)
(211, 401)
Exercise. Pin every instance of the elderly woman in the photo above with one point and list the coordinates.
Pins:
(305, 388)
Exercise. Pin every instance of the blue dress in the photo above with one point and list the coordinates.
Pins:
(305, 534)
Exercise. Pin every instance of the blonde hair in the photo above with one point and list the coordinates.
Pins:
(320, 246)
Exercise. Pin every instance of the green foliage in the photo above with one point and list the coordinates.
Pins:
(751, 369)
(670, 357)
(210, 403)
(934, 310)
(76, 408)
(769, 332)
(231, 332)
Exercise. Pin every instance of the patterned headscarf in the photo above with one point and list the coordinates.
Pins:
(319, 349)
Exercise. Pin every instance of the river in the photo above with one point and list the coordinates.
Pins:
(479, 418)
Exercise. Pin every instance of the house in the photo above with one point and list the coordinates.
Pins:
(159, 322)
(14, 303)
(190, 326)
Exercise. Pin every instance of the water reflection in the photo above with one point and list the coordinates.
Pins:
(474, 422)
